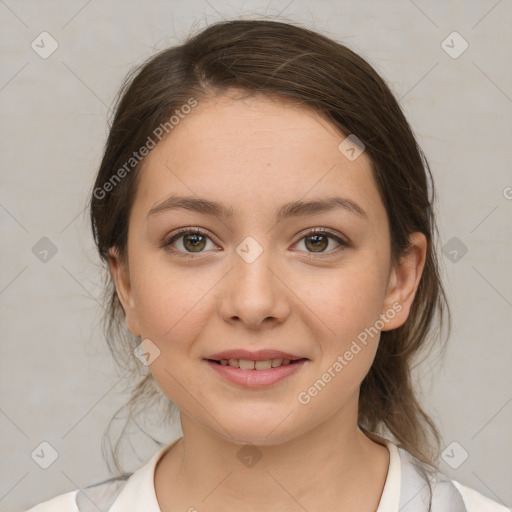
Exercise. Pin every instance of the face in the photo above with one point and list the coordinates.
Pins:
(255, 280)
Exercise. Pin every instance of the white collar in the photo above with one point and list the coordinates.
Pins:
(139, 495)
(390, 498)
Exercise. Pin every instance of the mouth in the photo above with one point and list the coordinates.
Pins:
(259, 365)
(255, 369)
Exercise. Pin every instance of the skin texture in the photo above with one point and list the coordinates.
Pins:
(255, 154)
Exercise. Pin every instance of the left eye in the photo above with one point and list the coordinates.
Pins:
(194, 241)
(318, 241)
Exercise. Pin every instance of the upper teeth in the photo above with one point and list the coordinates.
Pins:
(246, 364)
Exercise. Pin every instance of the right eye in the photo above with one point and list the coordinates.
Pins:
(192, 241)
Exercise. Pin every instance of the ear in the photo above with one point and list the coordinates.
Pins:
(121, 276)
(404, 280)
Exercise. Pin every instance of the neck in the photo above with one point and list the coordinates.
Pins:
(331, 467)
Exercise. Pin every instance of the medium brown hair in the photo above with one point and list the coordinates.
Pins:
(288, 62)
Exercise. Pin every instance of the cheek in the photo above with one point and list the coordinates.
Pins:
(346, 309)
(343, 302)
(173, 308)
(169, 299)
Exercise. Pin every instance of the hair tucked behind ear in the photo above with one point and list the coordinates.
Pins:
(287, 62)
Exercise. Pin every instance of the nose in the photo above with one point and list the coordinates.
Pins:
(254, 293)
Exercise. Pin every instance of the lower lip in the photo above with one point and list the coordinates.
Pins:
(256, 378)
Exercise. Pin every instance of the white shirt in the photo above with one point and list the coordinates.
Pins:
(137, 493)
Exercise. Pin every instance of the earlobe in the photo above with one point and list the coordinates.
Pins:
(404, 281)
(121, 277)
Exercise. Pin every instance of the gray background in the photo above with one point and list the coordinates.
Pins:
(58, 383)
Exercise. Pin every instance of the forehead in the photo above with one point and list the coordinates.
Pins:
(255, 151)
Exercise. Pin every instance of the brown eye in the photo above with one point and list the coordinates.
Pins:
(187, 242)
(194, 242)
(318, 243)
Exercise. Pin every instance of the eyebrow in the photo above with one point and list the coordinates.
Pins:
(292, 209)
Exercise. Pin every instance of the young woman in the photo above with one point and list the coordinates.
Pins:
(264, 214)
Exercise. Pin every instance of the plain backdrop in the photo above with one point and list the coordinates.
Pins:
(58, 382)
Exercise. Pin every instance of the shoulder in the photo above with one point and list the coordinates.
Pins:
(477, 502)
(96, 497)
(129, 491)
(421, 484)
(63, 503)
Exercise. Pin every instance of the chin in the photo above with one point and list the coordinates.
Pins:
(259, 428)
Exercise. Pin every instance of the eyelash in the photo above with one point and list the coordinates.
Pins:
(167, 242)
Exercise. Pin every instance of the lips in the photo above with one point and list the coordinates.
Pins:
(258, 361)
(259, 355)
(247, 364)
(244, 373)
(256, 369)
